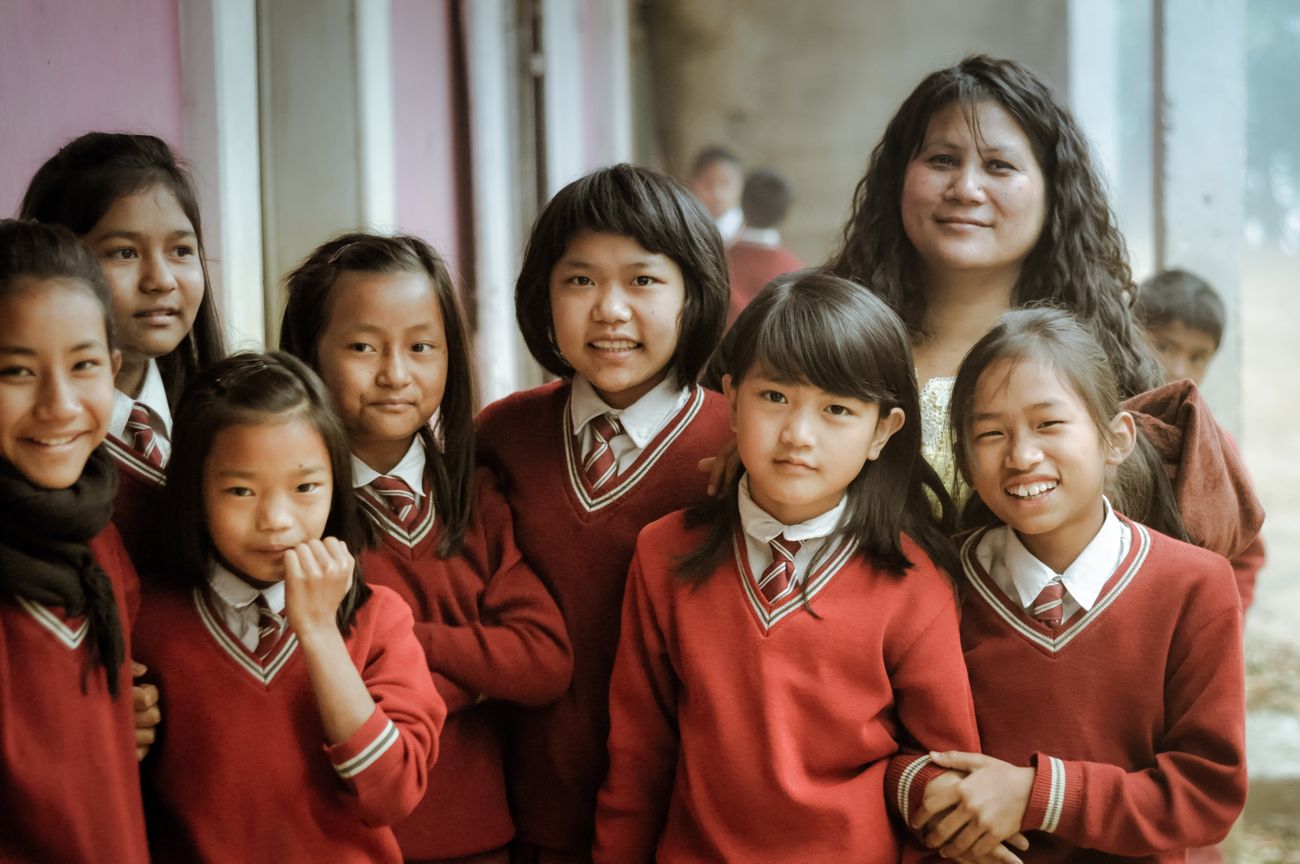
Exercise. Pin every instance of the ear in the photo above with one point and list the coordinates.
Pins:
(1123, 435)
(116, 359)
(731, 391)
(885, 428)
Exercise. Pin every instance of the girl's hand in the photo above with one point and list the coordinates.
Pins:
(721, 468)
(317, 575)
(972, 817)
(144, 700)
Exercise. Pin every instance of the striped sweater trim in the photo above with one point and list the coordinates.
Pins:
(905, 785)
(72, 637)
(592, 500)
(370, 754)
(383, 518)
(983, 585)
(129, 459)
(1055, 795)
(768, 614)
(263, 673)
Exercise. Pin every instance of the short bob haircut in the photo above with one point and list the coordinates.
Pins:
(812, 328)
(310, 289)
(79, 184)
(29, 250)
(1176, 295)
(1139, 487)
(655, 211)
(249, 389)
(1079, 261)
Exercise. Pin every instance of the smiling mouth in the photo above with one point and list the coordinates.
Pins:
(1030, 491)
(56, 441)
(157, 314)
(614, 345)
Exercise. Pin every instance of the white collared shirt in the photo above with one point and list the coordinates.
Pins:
(237, 602)
(640, 421)
(760, 528)
(410, 470)
(153, 395)
(769, 238)
(1022, 577)
(729, 224)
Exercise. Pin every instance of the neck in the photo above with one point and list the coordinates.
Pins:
(1062, 547)
(130, 378)
(962, 305)
(382, 455)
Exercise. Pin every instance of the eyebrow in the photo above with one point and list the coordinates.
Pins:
(646, 262)
(137, 236)
(239, 474)
(985, 148)
(1037, 406)
(23, 351)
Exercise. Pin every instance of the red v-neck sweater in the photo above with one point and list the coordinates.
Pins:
(69, 781)
(1133, 713)
(736, 741)
(241, 770)
(557, 754)
(139, 508)
(490, 631)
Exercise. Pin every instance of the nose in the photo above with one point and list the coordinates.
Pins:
(57, 399)
(1024, 453)
(967, 182)
(157, 276)
(395, 370)
(611, 305)
(274, 514)
(798, 431)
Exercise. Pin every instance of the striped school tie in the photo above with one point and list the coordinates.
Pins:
(1050, 604)
(141, 435)
(778, 578)
(270, 627)
(399, 498)
(599, 466)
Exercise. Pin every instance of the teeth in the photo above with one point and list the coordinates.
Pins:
(621, 345)
(1031, 490)
(54, 442)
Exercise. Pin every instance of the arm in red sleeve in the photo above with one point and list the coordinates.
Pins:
(386, 762)
(643, 738)
(932, 698)
(1245, 567)
(1193, 793)
(518, 649)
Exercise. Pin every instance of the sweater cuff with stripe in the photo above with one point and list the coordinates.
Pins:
(365, 747)
(905, 782)
(1056, 797)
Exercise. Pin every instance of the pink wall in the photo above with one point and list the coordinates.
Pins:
(425, 157)
(70, 66)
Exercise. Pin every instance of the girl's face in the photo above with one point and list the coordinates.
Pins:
(149, 253)
(383, 356)
(801, 446)
(1038, 460)
(616, 310)
(56, 379)
(974, 204)
(267, 487)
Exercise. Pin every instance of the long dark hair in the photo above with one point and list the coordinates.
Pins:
(1079, 261)
(655, 211)
(249, 388)
(821, 330)
(1138, 488)
(78, 185)
(307, 314)
(32, 250)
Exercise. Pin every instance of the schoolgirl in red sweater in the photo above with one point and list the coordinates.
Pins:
(379, 319)
(300, 719)
(622, 293)
(781, 646)
(69, 783)
(1104, 655)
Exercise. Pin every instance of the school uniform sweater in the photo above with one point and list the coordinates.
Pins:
(139, 508)
(580, 544)
(744, 730)
(1131, 713)
(69, 781)
(490, 631)
(241, 770)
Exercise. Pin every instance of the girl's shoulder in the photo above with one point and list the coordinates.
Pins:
(523, 404)
(1184, 568)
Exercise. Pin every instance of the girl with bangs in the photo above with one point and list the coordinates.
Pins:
(783, 647)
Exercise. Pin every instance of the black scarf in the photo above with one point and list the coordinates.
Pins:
(44, 557)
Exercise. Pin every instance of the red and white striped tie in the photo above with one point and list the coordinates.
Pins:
(778, 578)
(399, 498)
(141, 435)
(1050, 604)
(270, 626)
(599, 466)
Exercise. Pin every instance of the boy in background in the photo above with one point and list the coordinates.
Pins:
(757, 256)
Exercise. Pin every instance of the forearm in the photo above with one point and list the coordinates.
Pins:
(344, 702)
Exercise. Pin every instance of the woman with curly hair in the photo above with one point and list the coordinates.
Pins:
(982, 197)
